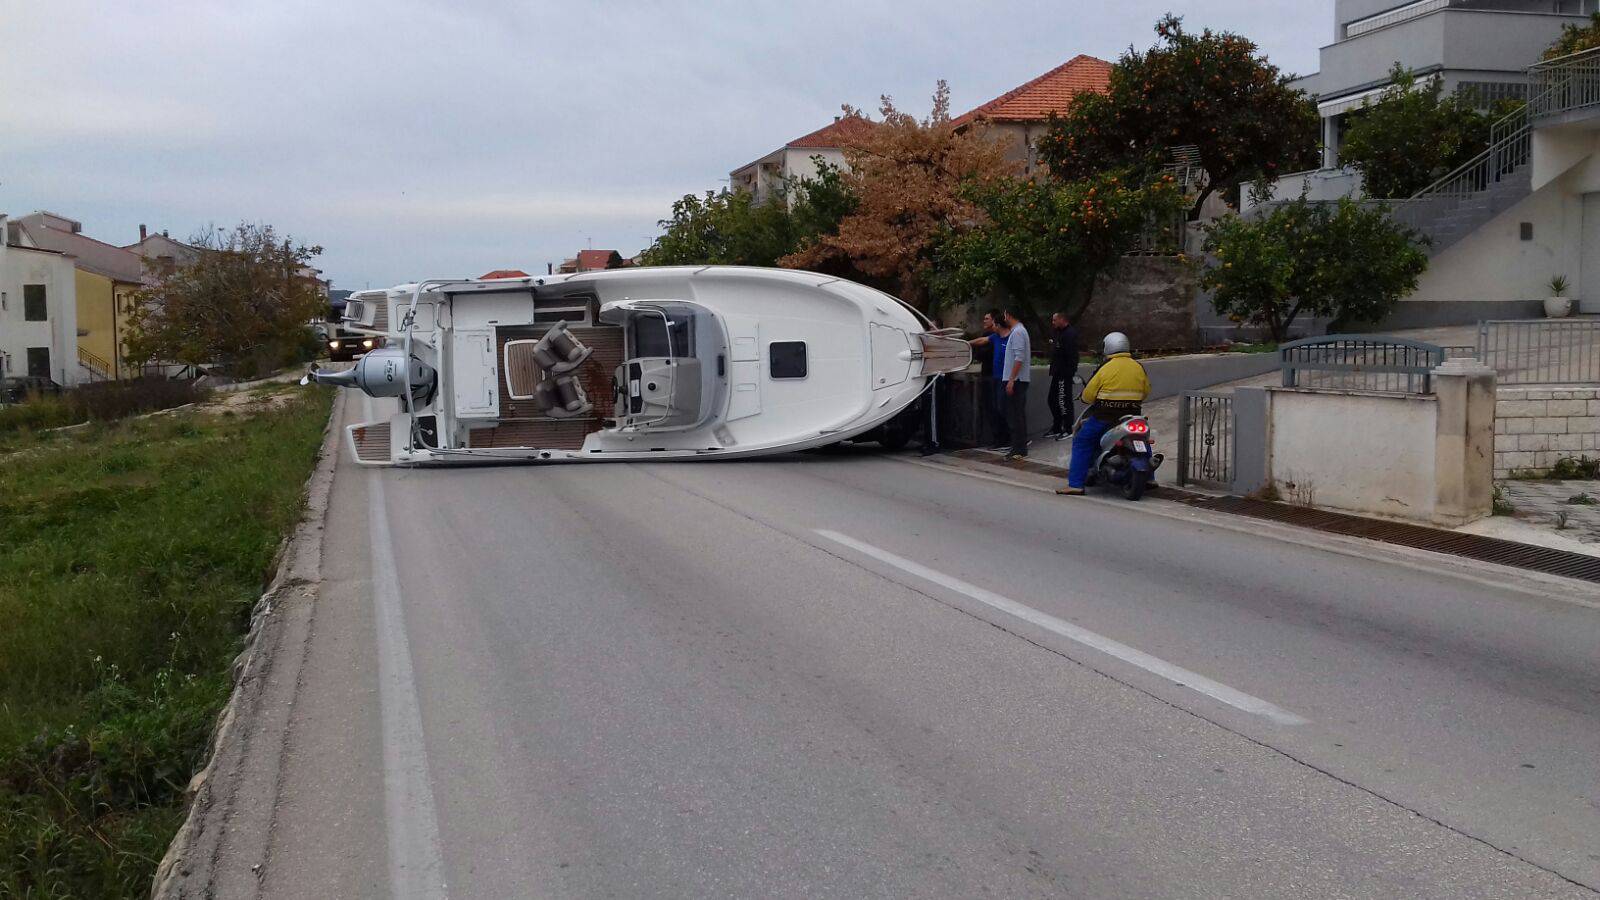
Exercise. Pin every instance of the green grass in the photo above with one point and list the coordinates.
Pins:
(133, 555)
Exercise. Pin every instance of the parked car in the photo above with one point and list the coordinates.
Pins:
(17, 388)
(344, 346)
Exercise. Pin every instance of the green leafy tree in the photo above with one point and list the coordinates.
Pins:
(243, 304)
(1348, 261)
(1045, 243)
(1413, 136)
(732, 228)
(1212, 90)
(1576, 38)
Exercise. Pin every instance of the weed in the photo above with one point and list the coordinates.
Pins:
(1561, 520)
(1582, 500)
(134, 554)
(1500, 505)
(1569, 468)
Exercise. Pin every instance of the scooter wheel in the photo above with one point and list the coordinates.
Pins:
(1133, 488)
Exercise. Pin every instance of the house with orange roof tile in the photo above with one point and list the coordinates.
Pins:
(1022, 114)
(592, 261)
(799, 157)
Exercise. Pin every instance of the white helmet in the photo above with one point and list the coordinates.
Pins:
(1117, 342)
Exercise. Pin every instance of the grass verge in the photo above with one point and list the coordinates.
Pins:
(134, 553)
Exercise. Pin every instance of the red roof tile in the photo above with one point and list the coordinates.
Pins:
(841, 132)
(591, 260)
(1051, 92)
(504, 273)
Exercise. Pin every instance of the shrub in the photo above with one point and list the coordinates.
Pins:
(100, 402)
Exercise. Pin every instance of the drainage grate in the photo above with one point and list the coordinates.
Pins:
(1494, 550)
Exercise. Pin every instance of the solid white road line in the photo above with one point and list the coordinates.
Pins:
(416, 863)
(1213, 689)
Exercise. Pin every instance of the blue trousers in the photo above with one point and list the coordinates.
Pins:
(1085, 447)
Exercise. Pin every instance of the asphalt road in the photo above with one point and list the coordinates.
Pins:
(848, 675)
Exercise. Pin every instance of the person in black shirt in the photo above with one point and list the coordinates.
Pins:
(1063, 367)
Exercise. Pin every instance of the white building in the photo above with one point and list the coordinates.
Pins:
(798, 158)
(38, 311)
(1523, 212)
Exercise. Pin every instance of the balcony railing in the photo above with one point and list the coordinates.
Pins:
(1566, 84)
(1393, 16)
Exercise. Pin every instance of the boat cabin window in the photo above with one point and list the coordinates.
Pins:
(788, 359)
(662, 335)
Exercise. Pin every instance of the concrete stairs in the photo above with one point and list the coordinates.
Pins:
(1448, 222)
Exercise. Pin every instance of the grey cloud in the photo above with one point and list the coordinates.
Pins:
(454, 137)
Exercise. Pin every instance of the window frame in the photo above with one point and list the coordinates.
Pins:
(30, 297)
(774, 359)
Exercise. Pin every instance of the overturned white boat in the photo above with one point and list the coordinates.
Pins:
(711, 362)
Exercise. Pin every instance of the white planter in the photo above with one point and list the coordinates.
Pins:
(1557, 307)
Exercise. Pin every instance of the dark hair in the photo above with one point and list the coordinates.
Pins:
(1011, 313)
(994, 314)
(1064, 317)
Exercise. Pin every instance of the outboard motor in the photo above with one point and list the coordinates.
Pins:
(382, 373)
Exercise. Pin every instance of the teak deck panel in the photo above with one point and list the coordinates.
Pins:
(522, 426)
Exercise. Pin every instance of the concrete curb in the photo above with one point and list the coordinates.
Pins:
(187, 868)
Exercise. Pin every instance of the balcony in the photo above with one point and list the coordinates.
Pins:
(1565, 90)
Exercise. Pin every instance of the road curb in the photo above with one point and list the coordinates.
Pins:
(188, 867)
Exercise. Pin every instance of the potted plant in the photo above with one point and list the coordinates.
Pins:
(1558, 305)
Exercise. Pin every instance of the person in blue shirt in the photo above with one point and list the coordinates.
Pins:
(993, 387)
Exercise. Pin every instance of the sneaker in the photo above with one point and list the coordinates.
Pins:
(1070, 491)
(928, 451)
(1014, 455)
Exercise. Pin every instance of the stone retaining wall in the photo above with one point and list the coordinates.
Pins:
(1534, 427)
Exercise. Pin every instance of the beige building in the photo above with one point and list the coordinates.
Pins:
(1022, 114)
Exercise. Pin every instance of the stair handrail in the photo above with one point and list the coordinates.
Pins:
(1556, 77)
(1513, 127)
(99, 365)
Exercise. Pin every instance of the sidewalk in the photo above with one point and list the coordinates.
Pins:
(1163, 413)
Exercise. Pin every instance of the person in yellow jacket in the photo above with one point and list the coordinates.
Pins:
(1117, 389)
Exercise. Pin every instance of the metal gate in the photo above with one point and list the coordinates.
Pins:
(1205, 439)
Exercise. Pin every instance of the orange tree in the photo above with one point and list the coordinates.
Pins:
(1210, 90)
(1347, 261)
(1046, 243)
(1576, 38)
(1413, 135)
(906, 175)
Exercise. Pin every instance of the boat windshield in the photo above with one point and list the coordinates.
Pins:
(656, 333)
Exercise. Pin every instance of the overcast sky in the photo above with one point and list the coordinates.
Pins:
(416, 139)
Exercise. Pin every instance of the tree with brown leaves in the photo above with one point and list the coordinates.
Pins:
(907, 175)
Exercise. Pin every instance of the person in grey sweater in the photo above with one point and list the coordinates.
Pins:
(1016, 374)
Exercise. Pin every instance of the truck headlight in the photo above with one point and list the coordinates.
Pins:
(333, 345)
(367, 344)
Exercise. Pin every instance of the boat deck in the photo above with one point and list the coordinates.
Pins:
(521, 425)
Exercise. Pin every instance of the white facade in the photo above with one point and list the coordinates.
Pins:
(769, 173)
(34, 341)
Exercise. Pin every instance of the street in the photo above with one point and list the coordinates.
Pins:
(843, 674)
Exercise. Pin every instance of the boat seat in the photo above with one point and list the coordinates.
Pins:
(558, 352)
(562, 397)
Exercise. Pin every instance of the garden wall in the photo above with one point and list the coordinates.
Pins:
(1535, 427)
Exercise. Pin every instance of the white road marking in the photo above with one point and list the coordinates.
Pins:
(411, 824)
(1193, 680)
